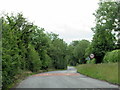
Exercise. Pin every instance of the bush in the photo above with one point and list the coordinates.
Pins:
(91, 61)
(113, 56)
(88, 61)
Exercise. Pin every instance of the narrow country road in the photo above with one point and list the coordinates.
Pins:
(63, 79)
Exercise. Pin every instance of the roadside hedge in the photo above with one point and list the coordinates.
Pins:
(113, 56)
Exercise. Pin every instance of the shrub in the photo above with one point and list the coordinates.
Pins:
(88, 61)
(113, 56)
(91, 61)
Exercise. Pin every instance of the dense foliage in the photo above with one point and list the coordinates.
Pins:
(104, 39)
(113, 56)
(27, 47)
(76, 53)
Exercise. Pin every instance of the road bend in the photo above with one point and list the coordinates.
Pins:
(63, 79)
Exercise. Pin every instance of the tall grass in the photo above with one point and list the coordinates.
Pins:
(105, 71)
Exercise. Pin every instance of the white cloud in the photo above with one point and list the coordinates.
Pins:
(71, 19)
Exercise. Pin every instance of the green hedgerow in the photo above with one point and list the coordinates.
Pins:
(113, 56)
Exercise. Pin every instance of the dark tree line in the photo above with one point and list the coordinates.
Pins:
(25, 46)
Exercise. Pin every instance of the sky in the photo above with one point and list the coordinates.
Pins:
(71, 19)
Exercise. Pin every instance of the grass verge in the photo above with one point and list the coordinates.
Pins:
(106, 71)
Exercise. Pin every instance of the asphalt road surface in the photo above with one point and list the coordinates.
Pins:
(63, 79)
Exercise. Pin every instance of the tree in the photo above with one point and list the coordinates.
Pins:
(77, 52)
(104, 40)
(117, 24)
(16, 37)
(70, 56)
(34, 59)
(41, 42)
(88, 51)
(57, 52)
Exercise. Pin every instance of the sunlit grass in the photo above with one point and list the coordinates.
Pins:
(105, 71)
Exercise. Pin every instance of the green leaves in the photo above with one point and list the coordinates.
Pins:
(76, 52)
(113, 56)
(28, 47)
(57, 52)
(34, 59)
(104, 40)
(11, 55)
